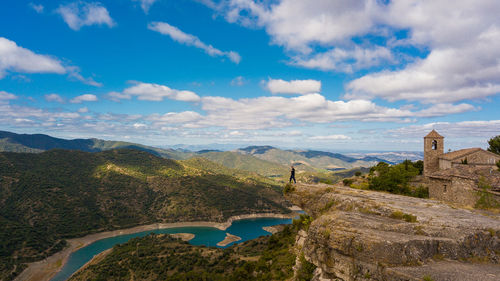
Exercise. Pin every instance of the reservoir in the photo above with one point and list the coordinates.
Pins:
(247, 229)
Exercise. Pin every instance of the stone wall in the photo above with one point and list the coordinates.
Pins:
(455, 190)
(444, 164)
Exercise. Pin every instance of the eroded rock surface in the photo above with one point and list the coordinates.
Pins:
(366, 235)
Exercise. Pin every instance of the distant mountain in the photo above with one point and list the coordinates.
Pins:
(246, 162)
(309, 160)
(391, 156)
(36, 143)
(256, 149)
(49, 196)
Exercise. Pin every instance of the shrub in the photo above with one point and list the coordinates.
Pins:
(288, 188)
(306, 270)
(486, 200)
(357, 174)
(395, 179)
(403, 216)
(303, 222)
(347, 182)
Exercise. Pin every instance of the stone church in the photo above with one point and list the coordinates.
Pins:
(456, 176)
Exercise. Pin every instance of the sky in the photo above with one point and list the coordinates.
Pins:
(324, 74)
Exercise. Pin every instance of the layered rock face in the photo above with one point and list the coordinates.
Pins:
(366, 235)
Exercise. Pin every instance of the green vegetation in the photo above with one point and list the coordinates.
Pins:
(347, 182)
(494, 144)
(396, 178)
(288, 188)
(48, 197)
(427, 278)
(249, 163)
(306, 270)
(160, 257)
(303, 222)
(403, 216)
(486, 200)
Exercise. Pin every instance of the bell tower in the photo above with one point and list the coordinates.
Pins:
(433, 148)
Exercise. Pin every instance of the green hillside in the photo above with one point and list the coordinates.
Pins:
(247, 163)
(161, 257)
(12, 142)
(58, 194)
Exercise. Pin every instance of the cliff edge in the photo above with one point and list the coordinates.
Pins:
(367, 235)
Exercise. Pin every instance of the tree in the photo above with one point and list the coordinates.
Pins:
(494, 144)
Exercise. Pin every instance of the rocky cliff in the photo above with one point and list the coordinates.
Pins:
(366, 235)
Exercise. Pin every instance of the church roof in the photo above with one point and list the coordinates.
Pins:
(459, 153)
(434, 134)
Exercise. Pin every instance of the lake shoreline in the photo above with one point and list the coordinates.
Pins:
(45, 269)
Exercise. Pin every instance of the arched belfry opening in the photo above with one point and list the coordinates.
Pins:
(433, 149)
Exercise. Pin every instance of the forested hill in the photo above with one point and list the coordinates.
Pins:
(58, 194)
(12, 142)
(309, 160)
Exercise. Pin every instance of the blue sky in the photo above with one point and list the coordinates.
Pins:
(337, 75)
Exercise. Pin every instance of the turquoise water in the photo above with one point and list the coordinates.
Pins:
(247, 229)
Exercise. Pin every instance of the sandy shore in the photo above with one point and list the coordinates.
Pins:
(45, 269)
(270, 229)
(228, 240)
(183, 236)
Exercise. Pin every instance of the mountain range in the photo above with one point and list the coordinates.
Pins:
(264, 160)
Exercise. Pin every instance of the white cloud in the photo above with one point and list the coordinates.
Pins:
(483, 129)
(37, 7)
(297, 24)
(276, 112)
(79, 14)
(175, 118)
(146, 4)
(443, 109)
(83, 110)
(464, 42)
(84, 98)
(346, 60)
(278, 86)
(54, 98)
(7, 96)
(238, 81)
(300, 26)
(154, 92)
(330, 137)
(191, 40)
(74, 72)
(14, 58)
(459, 43)
(18, 59)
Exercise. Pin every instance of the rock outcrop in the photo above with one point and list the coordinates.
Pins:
(366, 235)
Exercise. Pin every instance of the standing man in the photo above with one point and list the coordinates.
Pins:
(292, 175)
